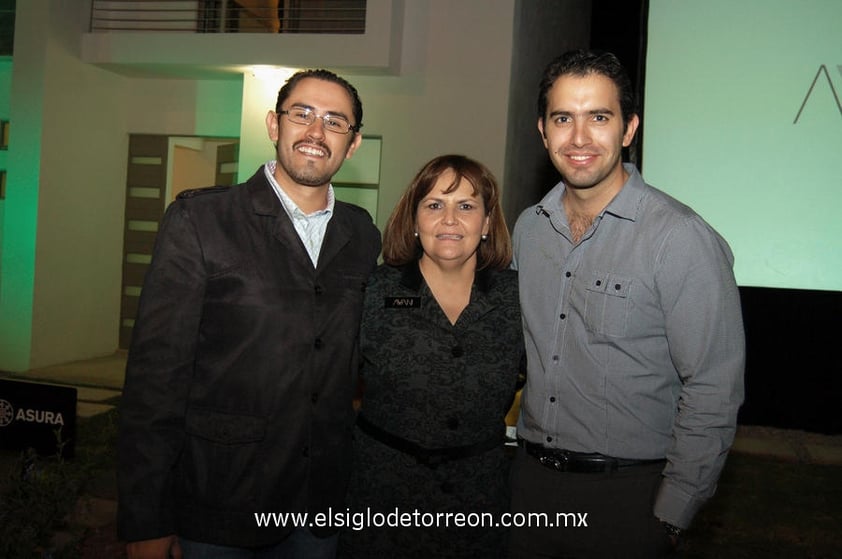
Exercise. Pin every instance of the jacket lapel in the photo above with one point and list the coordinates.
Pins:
(338, 234)
(265, 203)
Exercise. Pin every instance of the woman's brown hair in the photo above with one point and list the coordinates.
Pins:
(400, 246)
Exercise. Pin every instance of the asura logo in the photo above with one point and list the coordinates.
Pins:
(7, 415)
(40, 416)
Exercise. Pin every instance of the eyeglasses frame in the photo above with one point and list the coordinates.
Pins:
(324, 116)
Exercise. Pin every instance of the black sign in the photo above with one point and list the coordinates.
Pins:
(40, 416)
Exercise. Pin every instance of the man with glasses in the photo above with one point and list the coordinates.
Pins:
(240, 377)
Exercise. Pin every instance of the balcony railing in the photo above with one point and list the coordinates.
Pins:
(229, 16)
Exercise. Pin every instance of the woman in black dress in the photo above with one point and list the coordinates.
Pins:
(441, 342)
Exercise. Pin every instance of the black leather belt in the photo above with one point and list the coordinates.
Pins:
(424, 455)
(579, 462)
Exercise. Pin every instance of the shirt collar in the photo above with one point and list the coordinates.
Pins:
(411, 277)
(625, 205)
(291, 207)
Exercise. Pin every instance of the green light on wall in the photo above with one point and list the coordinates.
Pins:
(19, 217)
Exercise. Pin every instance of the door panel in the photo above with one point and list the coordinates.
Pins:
(227, 156)
(146, 201)
(146, 183)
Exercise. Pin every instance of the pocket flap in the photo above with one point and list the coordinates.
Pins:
(609, 284)
(226, 428)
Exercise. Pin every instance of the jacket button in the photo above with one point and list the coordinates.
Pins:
(314, 397)
(457, 351)
(447, 487)
(319, 290)
(453, 423)
(318, 343)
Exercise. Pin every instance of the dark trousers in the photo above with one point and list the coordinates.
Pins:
(300, 544)
(607, 514)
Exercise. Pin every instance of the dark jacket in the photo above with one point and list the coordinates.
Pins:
(239, 383)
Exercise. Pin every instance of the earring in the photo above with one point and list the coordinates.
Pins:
(416, 234)
(485, 237)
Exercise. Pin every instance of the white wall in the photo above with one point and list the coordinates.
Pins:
(449, 96)
(88, 114)
(81, 192)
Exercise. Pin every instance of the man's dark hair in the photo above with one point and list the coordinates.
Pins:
(327, 76)
(582, 63)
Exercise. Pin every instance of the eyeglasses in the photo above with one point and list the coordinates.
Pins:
(306, 117)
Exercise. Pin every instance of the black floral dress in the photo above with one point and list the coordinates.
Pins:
(435, 385)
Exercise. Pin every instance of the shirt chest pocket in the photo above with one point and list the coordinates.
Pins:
(607, 304)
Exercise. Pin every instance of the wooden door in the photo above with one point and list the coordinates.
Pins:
(227, 157)
(146, 186)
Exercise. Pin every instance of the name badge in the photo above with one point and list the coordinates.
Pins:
(402, 302)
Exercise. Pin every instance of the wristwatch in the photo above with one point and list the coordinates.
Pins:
(672, 530)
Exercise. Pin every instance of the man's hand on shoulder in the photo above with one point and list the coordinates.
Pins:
(160, 548)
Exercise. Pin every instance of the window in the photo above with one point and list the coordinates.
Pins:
(4, 134)
(358, 180)
(7, 27)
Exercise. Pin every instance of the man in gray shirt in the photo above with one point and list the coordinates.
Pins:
(634, 337)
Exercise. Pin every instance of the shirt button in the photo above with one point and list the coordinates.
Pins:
(457, 351)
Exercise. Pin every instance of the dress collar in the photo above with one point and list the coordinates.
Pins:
(411, 277)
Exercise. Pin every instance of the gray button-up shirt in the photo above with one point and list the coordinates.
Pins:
(634, 337)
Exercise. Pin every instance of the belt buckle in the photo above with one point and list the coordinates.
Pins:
(558, 463)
